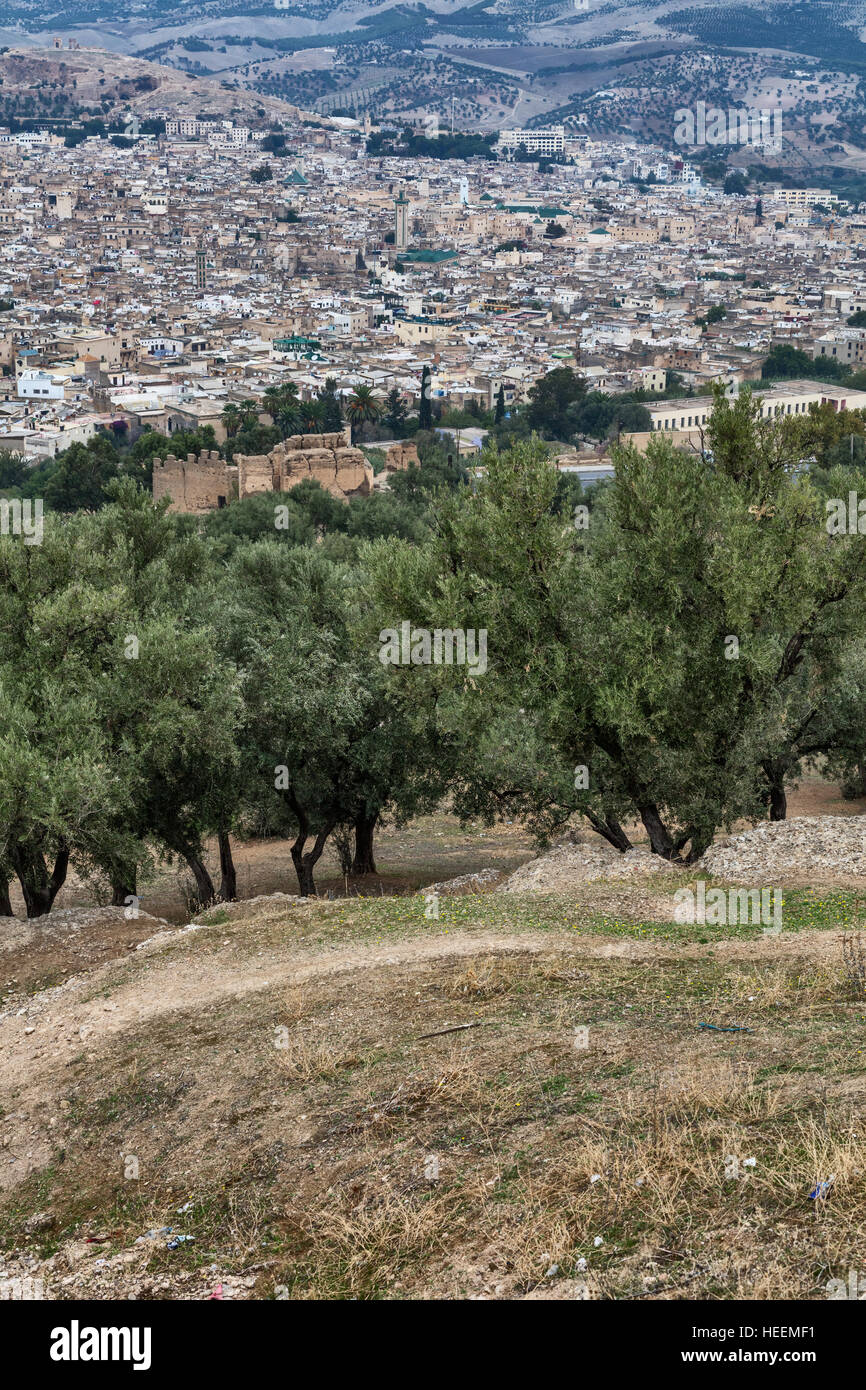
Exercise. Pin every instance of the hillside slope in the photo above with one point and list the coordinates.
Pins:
(280, 1079)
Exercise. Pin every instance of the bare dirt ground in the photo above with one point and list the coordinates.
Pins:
(432, 847)
(429, 849)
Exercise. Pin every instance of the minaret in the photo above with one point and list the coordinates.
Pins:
(401, 222)
(200, 268)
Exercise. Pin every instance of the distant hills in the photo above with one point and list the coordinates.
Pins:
(616, 67)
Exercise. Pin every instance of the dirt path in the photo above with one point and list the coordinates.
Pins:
(89, 1010)
(86, 1012)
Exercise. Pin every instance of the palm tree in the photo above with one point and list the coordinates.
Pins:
(286, 419)
(231, 419)
(361, 406)
(281, 403)
(249, 415)
(311, 415)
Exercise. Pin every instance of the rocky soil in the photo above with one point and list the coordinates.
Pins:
(818, 848)
(48, 950)
(802, 849)
(482, 882)
(570, 864)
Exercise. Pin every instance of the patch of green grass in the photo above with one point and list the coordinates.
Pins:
(814, 909)
(556, 1085)
(216, 917)
(384, 918)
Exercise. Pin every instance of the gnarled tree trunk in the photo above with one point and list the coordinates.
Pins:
(363, 862)
(228, 877)
(38, 886)
(661, 842)
(305, 862)
(123, 878)
(203, 880)
(610, 830)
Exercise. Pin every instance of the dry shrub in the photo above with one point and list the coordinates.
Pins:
(359, 1247)
(485, 977)
(853, 965)
(305, 1060)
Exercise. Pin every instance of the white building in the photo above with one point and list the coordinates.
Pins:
(546, 140)
(30, 138)
(35, 385)
(691, 414)
(803, 197)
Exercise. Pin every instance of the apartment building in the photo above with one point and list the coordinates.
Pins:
(545, 140)
(803, 197)
(846, 345)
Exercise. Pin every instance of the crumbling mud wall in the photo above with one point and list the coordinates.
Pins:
(194, 484)
(328, 458)
(202, 484)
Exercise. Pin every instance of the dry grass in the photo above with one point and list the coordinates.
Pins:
(331, 1149)
(303, 1060)
(854, 965)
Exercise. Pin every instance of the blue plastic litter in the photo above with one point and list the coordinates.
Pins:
(822, 1189)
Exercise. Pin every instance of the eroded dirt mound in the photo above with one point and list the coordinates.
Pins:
(814, 848)
(309, 1104)
(569, 864)
(482, 882)
(42, 952)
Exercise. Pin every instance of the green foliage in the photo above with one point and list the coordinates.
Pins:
(785, 362)
(613, 649)
(116, 720)
(736, 185)
(332, 414)
(688, 635)
(395, 412)
(82, 472)
(409, 145)
(550, 400)
(362, 406)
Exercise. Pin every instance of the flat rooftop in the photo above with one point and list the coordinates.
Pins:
(786, 390)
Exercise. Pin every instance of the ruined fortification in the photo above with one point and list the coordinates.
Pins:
(330, 459)
(202, 484)
(194, 484)
(403, 454)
